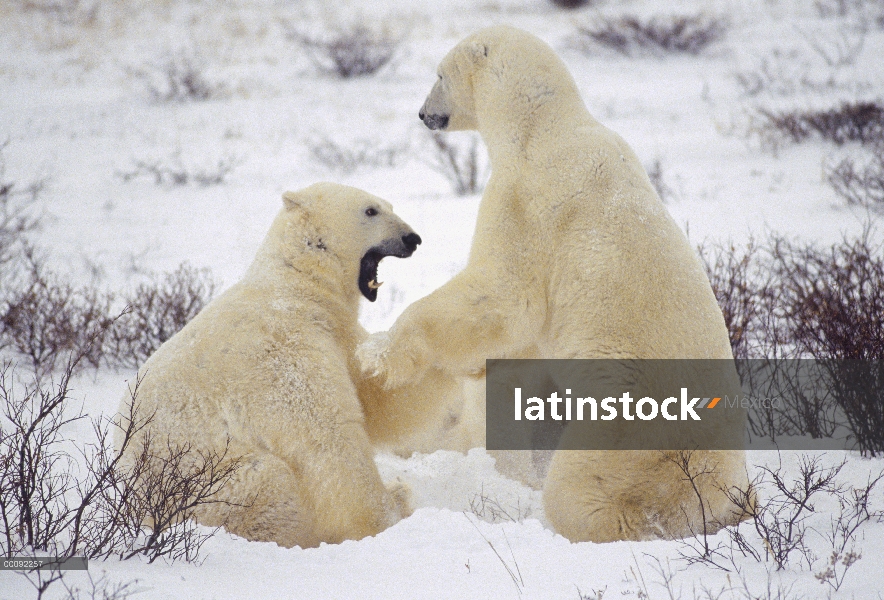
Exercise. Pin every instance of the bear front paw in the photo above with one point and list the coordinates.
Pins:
(400, 494)
(372, 352)
(398, 363)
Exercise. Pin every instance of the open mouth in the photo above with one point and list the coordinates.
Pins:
(368, 266)
(368, 274)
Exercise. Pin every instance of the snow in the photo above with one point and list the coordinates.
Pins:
(76, 110)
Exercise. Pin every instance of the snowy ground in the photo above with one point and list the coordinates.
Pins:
(76, 109)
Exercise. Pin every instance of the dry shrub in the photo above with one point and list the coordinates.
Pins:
(864, 11)
(833, 301)
(655, 174)
(781, 74)
(851, 122)
(66, 12)
(696, 472)
(840, 49)
(780, 517)
(17, 216)
(571, 4)
(160, 491)
(688, 34)
(101, 588)
(97, 504)
(490, 509)
(359, 153)
(859, 185)
(64, 498)
(833, 297)
(173, 171)
(741, 284)
(784, 299)
(355, 51)
(460, 164)
(792, 302)
(44, 318)
(836, 8)
(784, 510)
(179, 78)
(155, 311)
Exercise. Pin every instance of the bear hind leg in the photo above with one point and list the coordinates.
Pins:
(604, 496)
(262, 503)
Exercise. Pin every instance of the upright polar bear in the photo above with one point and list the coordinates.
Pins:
(270, 366)
(573, 256)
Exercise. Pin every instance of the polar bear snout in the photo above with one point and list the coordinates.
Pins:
(411, 241)
(400, 248)
(435, 112)
(434, 121)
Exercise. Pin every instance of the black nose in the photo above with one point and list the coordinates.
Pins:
(411, 241)
(421, 115)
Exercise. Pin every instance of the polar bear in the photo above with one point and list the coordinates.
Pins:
(269, 368)
(573, 256)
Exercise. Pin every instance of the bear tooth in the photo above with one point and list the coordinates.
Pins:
(373, 284)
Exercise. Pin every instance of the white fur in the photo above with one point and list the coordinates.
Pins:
(574, 256)
(269, 366)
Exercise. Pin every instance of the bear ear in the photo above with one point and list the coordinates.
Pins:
(295, 200)
(290, 200)
(478, 51)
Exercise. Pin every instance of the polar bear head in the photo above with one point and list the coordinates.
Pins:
(352, 227)
(498, 73)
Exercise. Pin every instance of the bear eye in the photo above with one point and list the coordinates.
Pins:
(371, 211)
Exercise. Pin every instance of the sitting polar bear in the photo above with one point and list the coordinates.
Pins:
(269, 368)
(573, 256)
